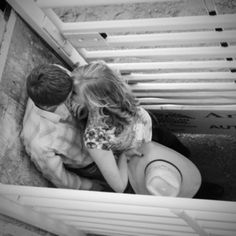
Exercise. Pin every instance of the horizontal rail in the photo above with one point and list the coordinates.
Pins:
(118, 232)
(153, 24)
(172, 38)
(137, 225)
(129, 228)
(74, 3)
(146, 66)
(172, 107)
(186, 94)
(116, 198)
(164, 53)
(29, 216)
(155, 39)
(74, 215)
(189, 101)
(184, 87)
(141, 77)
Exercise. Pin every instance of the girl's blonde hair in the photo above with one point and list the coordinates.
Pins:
(96, 86)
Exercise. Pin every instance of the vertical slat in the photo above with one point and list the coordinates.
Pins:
(191, 222)
(28, 215)
(6, 40)
(36, 18)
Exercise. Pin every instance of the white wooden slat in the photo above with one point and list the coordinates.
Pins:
(74, 3)
(213, 216)
(221, 232)
(6, 40)
(117, 198)
(113, 232)
(130, 224)
(189, 101)
(218, 225)
(73, 214)
(145, 231)
(147, 66)
(95, 206)
(100, 230)
(184, 86)
(210, 6)
(53, 17)
(186, 94)
(111, 203)
(172, 38)
(164, 53)
(35, 17)
(37, 219)
(153, 24)
(191, 222)
(142, 77)
(171, 107)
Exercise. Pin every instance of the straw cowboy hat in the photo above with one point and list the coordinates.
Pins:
(163, 172)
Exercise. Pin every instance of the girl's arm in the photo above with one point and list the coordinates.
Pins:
(116, 174)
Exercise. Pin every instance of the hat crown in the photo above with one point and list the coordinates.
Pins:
(163, 178)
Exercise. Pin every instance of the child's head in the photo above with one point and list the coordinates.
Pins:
(49, 85)
(96, 86)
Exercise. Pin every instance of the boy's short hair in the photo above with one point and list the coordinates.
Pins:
(48, 85)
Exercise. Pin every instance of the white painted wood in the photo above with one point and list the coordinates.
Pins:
(185, 94)
(72, 215)
(6, 40)
(36, 18)
(154, 226)
(63, 211)
(145, 231)
(95, 206)
(153, 24)
(183, 53)
(189, 101)
(53, 17)
(73, 3)
(210, 6)
(28, 215)
(184, 86)
(114, 213)
(191, 222)
(171, 107)
(221, 232)
(176, 76)
(172, 38)
(147, 66)
(212, 216)
(126, 199)
(220, 225)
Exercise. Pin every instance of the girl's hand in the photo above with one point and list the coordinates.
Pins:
(132, 153)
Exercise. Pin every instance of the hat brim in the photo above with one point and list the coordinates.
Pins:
(191, 177)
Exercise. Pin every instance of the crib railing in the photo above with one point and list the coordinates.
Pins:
(73, 212)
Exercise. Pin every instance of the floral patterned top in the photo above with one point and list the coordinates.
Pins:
(118, 139)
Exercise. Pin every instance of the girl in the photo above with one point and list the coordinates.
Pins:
(116, 125)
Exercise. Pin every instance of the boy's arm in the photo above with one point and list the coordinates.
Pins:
(53, 169)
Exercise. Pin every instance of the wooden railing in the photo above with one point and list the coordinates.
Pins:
(73, 212)
(182, 66)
